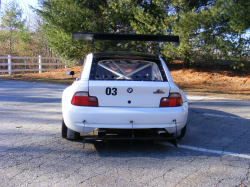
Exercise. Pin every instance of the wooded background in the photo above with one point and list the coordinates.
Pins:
(211, 31)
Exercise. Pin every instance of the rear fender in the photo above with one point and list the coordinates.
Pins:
(76, 87)
(169, 77)
(175, 89)
(184, 97)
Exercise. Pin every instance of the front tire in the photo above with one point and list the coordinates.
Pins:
(68, 133)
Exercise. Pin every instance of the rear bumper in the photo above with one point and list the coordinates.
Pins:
(86, 119)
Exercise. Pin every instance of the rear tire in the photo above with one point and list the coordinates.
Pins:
(183, 132)
(68, 133)
(64, 130)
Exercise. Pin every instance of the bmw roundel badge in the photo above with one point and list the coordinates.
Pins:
(130, 90)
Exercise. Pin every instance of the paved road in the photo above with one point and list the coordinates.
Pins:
(215, 151)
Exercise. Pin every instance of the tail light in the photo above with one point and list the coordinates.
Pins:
(83, 99)
(173, 100)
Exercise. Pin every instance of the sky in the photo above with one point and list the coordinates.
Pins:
(23, 3)
(28, 14)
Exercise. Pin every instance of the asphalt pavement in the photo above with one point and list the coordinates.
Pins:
(214, 152)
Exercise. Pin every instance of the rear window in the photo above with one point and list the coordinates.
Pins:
(125, 69)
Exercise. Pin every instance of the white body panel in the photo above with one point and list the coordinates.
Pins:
(115, 112)
(142, 95)
(86, 67)
(120, 117)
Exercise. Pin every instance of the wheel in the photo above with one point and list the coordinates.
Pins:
(68, 133)
(64, 130)
(183, 132)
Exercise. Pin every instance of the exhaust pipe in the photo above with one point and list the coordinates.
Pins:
(161, 132)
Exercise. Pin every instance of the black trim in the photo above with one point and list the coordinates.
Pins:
(132, 37)
(126, 55)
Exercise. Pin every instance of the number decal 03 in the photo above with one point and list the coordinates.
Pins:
(108, 91)
(112, 91)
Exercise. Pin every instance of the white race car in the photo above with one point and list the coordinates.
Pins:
(124, 93)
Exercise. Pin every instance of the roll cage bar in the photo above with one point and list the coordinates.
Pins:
(123, 74)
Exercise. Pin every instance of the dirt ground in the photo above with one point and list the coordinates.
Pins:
(192, 80)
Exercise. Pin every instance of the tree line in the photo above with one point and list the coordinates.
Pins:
(210, 30)
(16, 38)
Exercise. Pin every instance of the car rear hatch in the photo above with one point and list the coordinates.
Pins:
(128, 82)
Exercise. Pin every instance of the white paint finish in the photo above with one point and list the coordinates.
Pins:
(71, 90)
(207, 150)
(120, 117)
(184, 97)
(169, 77)
(86, 69)
(174, 88)
(142, 95)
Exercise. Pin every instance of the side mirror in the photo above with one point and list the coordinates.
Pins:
(70, 73)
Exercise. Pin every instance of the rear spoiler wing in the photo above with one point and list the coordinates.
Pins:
(132, 37)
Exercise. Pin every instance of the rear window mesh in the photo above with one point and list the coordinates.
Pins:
(136, 70)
